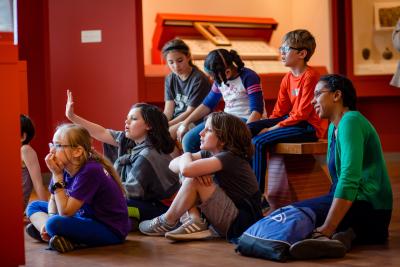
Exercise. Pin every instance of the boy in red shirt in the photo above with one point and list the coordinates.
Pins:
(293, 118)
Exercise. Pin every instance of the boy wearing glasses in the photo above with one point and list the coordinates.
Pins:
(293, 118)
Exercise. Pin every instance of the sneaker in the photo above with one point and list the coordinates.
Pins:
(156, 227)
(61, 244)
(192, 229)
(31, 230)
(346, 237)
(319, 246)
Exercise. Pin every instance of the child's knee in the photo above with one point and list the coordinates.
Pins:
(54, 225)
(36, 206)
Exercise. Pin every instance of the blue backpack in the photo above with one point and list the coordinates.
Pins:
(271, 237)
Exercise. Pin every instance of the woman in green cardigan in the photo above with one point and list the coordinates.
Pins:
(358, 207)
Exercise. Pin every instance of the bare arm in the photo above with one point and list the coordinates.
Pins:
(182, 116)
(31, 162)
(169, 109)
(337, 211)
(254, 116)
(192, 167)
(96, 131)
(66, 205)
(175, 164)
(200, 112)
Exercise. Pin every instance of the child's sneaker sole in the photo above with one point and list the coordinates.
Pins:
(192, 236)
(61, 244)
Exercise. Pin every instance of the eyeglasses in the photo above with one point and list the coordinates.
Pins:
(319, 93)
(285, 49)
(58, 146)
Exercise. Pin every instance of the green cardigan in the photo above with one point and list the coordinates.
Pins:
(360, 166)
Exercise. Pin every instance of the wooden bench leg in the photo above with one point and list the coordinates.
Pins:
(291, 178)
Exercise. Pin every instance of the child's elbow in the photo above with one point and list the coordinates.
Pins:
(186, 172)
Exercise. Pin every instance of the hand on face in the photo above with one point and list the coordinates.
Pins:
(54, 165)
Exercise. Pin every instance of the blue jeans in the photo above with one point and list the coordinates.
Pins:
(301, 132)
(80, 230)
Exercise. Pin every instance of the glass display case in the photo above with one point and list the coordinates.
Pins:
(373, 23)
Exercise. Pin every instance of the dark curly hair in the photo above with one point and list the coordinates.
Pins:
(335, 82)
(234, 133)
(27, 127)
(219, 60)
(158, 135)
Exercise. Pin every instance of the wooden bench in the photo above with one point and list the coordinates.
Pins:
(295, 174)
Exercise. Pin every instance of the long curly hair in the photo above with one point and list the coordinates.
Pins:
(234, 133)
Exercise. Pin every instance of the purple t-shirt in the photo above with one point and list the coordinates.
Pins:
(102, 197)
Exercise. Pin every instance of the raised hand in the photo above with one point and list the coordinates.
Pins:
(69, 107)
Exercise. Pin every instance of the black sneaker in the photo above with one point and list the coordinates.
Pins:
(346, 237)
(61, 244)
(319, 246)
(31, 230)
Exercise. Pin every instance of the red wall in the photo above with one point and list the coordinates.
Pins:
(105, 77)
(12, 239)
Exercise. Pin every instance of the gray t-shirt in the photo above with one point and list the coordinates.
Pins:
(190, 92)
(236, 177)
(144, 171)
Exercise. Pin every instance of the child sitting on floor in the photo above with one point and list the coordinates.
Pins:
(31, 175)
(142, 160)
(219, 181)
(87, 204)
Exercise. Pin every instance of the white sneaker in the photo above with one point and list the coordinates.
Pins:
(191, 229)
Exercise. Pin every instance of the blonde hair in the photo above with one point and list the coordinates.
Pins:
(76, 135)
(301, 39)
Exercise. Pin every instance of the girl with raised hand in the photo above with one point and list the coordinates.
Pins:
(87, 205)
(239, 87)
(185, 87)
(142, 158)
(228, 197)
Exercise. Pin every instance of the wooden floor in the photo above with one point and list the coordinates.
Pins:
(141, 250)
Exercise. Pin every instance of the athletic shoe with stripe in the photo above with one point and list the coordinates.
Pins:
(192, 229)
(61, 244)
(156, 227)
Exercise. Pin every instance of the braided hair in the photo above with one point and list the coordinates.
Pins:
(219, 60)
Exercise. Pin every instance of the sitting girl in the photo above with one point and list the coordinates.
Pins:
(227, 196)
(239, 87)
(185, 87)
(87, 205)
(142, 160)
(31, 175)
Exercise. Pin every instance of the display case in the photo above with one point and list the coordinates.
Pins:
(353, 29)
(373, 22)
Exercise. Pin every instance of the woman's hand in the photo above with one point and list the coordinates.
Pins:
(55, 166)
(69, 107)
(43, 234)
